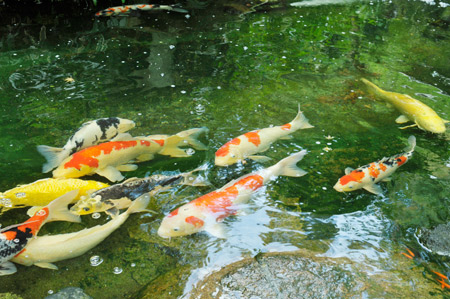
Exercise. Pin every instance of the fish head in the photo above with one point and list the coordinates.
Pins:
(226, 160)
(87, 206)
(185, 220)
(350, 182)
(228, 153)
(125, 125)
(432, 124)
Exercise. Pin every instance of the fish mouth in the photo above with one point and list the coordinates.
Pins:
(337, 188)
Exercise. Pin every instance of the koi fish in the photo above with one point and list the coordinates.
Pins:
(43, 251)
(204, 212)
(120, 196)
(90, 133)
(130, 9)
(411, 110)
(42, 192)
(248, 144)
(110, 158)
(14, 238)
(367, 176)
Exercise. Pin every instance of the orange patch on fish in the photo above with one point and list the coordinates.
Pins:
(173, 213)
(443, 283)
(410, 252)
(197, 222)
(217, 201)
(354, 176)
(253, 182)
(382, 166)
(88, 155)
(253, 137)
(225, 149)
(373, 170)
(10, 235)
(159, 141)
(286, 127)
(401, 160)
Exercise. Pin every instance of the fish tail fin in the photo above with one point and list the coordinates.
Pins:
(180, 10)
(139, 204)
(412, 144)
(52, 155)
(58, 210)
(184, 138)
(288, 167)
(191, 179)
(372, 87)
(300, 121)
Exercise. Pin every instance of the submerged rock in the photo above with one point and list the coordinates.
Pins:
(69, 293)
(436, 240)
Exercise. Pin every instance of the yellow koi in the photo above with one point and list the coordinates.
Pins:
(411, 109)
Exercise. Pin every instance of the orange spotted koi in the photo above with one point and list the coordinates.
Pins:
(367, 176)
(14, 238)
(248, 144)
(129, 9)
(205, 212)
(109, 158)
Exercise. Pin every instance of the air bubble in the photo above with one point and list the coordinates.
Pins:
(96, 215)
(117, 270)
(95, 260)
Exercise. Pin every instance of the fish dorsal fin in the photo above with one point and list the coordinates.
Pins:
(348, 170)
(373, 188)
(402, 119)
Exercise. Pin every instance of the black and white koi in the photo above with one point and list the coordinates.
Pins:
(90, 133)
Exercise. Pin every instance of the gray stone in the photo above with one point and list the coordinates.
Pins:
(69, 293)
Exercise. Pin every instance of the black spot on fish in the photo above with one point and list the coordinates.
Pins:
(9, 248)
(78, 145)
(105, 124)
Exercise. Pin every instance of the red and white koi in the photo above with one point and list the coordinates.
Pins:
(129, 9)
(205, 212)
(90, 133)
(248, 144)
(14, 238)
(367, 176)
(110, 158)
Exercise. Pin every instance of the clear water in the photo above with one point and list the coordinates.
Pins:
(234, 72)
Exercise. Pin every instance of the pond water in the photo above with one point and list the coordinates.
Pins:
(234, 69)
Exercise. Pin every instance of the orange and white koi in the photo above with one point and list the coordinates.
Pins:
(204, 212)
(90, 133)
(14, 238)
(248, 144)
(129, 9)
(109, 158)
(367, 176)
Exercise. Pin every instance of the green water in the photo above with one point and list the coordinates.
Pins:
(233, 73)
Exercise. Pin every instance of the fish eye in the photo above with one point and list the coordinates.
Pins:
(232, 155)
(16, 240)
(176, 229)
(86, 209)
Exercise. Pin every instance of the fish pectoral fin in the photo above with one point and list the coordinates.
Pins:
(260, 158)
(7, 268)
(127, 167)
(113, 212)
(123, 137)
(111, 173)
(402, 119)
(46, 265)
(387, 179)
(348, 170)
(414, 125)
(31, 211)
(217, 230)
(373, 188)
(145, 157)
